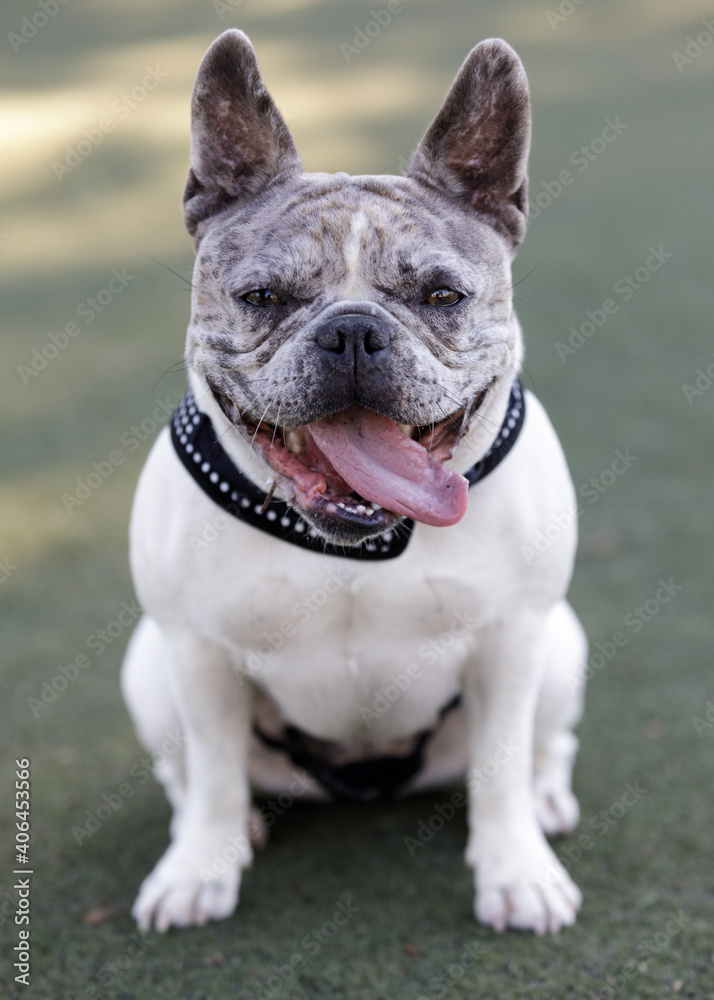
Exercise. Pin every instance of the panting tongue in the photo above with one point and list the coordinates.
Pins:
(378, 461)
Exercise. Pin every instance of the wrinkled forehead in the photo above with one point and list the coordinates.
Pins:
(337, 227)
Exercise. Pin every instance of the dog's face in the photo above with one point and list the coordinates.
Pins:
(351, 327)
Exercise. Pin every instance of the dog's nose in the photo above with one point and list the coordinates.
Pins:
(353, 334)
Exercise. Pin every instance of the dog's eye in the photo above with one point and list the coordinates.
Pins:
(444, 297)
(262, 297)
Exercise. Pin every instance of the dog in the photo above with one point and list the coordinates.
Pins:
(334, 541)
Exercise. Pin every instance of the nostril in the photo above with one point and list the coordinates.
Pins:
(375, 340)
(332, 338)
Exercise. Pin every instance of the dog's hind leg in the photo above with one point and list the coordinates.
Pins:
(560, 705)
(147, 692)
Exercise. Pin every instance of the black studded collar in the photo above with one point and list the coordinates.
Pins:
(198, 447)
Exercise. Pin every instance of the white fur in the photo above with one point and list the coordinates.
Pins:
(186, 668)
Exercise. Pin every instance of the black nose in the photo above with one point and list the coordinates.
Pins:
(353, 334)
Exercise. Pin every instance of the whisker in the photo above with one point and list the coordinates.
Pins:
(174, 369)
(529, 274)
(519, 298)
(432, 425)
(459, 404)
(275, 428)
(484, 419)
(448, 417)
(268, 496)
(531, 379)
(257, 428)
(161, 264)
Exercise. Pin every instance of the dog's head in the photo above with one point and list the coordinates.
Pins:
(358, 331)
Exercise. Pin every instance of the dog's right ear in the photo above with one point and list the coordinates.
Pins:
(239, 139)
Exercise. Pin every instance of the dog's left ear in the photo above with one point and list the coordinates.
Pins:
(477, 146)
(239, 139)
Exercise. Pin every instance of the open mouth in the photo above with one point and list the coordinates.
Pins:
(356, 473)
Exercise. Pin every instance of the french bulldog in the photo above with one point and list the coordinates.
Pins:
(359, 619)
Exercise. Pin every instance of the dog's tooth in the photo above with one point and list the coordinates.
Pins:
(292, 439)
(341, 505)
(370, 511)
(377, 506)
(407, 428)
(361, 509)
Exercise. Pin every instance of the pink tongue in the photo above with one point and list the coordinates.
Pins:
(378, 461)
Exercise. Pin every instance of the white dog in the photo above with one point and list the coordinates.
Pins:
(336, 537)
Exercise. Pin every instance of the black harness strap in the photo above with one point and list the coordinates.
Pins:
(360, 780)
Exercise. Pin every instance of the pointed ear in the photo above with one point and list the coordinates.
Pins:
(477, 146)
(239, 140)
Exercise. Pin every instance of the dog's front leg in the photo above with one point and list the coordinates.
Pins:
(198, 878)
(519, 881)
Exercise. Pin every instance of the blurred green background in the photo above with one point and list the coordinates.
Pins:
(65, 576)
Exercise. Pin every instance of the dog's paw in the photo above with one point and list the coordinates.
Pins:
(190, 887)
(523, 885)
(556, 807)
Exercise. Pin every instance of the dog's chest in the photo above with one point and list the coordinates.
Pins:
(345, 650)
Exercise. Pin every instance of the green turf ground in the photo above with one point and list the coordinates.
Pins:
(65, 575)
